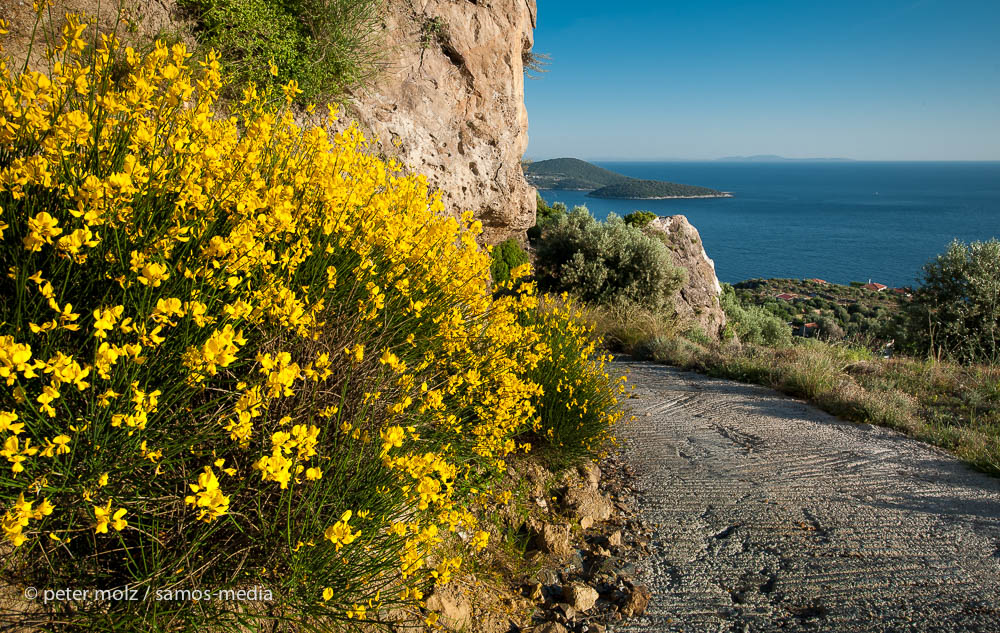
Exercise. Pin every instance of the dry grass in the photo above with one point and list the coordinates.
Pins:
(945, 404)
(627, 327)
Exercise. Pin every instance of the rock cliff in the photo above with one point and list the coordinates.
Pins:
(450, 103)
(698, 300)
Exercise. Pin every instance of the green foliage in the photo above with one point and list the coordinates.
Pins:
(753, 324)
(433, 30)
(956, 312)
(605, 262)
(543, 213)
(507, 256)
(327, 46)
(639, 219)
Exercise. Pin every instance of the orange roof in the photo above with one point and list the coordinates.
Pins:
(875, 286)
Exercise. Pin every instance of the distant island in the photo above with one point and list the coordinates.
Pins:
(576, 174)
(633, 189)
(772, 158)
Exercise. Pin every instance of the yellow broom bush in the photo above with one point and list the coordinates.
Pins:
(236, 354)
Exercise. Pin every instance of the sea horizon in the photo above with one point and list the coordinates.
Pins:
(841, 221)
(603, 161)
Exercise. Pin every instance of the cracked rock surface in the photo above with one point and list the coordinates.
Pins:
(771, 515)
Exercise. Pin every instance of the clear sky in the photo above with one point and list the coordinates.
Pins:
(701, 79)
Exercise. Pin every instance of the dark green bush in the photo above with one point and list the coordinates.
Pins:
(507, 256)
(956, 312)
(606, 262)
(327, 46)
(543, 213)
(639, 219)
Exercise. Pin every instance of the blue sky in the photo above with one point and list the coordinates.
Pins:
(874, 80)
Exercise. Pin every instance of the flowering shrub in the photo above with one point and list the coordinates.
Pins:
(238, 353)
(578, 406)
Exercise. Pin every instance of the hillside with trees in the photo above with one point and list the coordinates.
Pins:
(570, 173)
(576, 174)
(633, 189)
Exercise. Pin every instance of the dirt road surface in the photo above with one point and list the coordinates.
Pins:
(775, 516)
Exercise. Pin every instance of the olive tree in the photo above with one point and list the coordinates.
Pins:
(956, 312)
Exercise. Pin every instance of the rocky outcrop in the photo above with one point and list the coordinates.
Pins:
(698, 300)
(450, 104)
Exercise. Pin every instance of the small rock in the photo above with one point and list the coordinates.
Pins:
(638, 600)
(576, 560)
(553, 539)
(535, 592)
(580, 596)
(547, 577)
(567, 610)
(586, 522)
(615, 540)
(552, 627)
(582, 502)
(603, 552)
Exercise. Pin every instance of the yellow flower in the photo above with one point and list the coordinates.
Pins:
(105, 517)
(357, 352)
(480, 540)
(152, 274)
(61, 442)
(208, 497)
(392, 437)
(42, 228)
(340, 532)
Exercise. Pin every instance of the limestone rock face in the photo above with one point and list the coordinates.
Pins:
(698, 300)
(450, 104)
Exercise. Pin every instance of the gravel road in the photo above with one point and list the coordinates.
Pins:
(772, 515)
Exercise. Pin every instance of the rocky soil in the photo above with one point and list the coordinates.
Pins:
(596, 585)
(771, 515)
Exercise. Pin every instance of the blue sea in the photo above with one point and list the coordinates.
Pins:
(843, 221)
